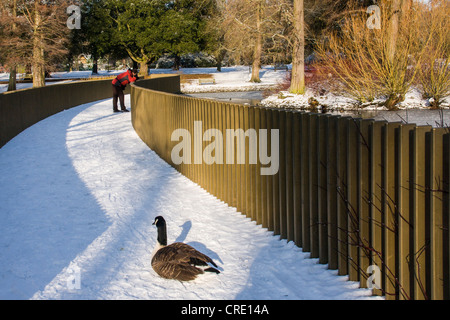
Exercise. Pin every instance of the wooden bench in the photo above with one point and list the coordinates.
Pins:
(206, 81)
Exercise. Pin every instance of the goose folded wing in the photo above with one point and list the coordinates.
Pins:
(176, 270)
(189, 254)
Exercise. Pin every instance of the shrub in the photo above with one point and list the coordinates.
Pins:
(380, 62)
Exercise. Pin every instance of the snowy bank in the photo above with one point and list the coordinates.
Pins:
(333, 102)
(233, 79)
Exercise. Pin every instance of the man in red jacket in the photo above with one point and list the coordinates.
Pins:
(119, 84)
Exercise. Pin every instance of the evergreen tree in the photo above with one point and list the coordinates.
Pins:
(144, 29)
(96, 36)
(182, 27)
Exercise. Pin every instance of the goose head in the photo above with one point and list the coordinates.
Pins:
(160, 224)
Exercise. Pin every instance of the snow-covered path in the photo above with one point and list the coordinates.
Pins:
(79, 192)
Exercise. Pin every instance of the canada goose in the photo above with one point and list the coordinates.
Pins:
(178, 261)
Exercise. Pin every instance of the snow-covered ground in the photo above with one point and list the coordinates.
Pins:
(230, 79)
(413, 100)
(64, 76)
(234, 79)
(237, 79)
(80, 191)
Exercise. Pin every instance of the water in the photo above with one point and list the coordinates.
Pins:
(435, 118)
(420, 117)
(250, 97)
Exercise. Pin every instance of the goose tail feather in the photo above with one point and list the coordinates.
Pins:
(211, 269)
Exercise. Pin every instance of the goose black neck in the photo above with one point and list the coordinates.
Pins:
(162, 234)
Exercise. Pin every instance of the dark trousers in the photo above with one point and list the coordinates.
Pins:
(118, 94)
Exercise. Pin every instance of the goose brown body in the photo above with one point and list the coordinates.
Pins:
(178, 261)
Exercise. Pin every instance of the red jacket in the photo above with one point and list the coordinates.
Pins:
(123, 79)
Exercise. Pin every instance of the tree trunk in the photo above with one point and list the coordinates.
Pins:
(143, 59)
(12, 79)
(13, 70)
(38, 50)
(95, 66)
(143, 68)
(38, 63)
(298, 55)
(177, 63)
(256, 65)
(219, 58)
(393, 25)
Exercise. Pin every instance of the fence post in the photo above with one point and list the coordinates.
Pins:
(189, 125)
(240, 177)
(195, 153)
(207, 138)
(176, 123)
(297, 182)
(219, 151)
(446, 210)
(219, 165)
(434, 208)
(200, 143)
(376, 211)
(231, 154)
(265, 195)
(365, 197)
(389, 211)
(229, 168)
(282, 174)
(180, 124)
(353, 190)
(170, 115)
(249, 189)
(419, 219)
(224, 167)
(322, 175)
(276, 182)
(213, 167)
(403, 186)
(332, 192)
(314, 184)
(272, 191)
(305, 177)
(289, 176)
(342, 215)
(257, 200)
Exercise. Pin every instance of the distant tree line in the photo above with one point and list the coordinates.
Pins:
(35, 35)
(364, 61)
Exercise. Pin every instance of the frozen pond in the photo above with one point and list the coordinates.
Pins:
(435, 118)
(250, 97)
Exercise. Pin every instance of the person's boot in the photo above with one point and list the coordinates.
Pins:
(116, 110)
(125, 110)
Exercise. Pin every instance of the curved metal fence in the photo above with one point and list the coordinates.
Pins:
(368, 198)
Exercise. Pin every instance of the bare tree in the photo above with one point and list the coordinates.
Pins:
(13, 67)
(33, 31)
(383, 62)
(257, 51)
(11, 40)
(48, 33)
(298, 54)
(253, 30)
(434, 74)
(242, 27)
